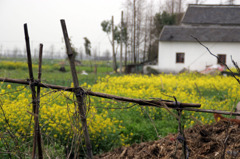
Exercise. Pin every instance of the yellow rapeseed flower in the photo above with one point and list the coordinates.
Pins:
(9, 86)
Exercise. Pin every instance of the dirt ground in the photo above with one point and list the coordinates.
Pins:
(207, 141)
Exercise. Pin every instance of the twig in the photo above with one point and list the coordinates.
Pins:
(117, 108)
(10, 92)
(236, 65)
(200, 96)
(227, 135)
(153, 124)
(217, 58)
(196, 120)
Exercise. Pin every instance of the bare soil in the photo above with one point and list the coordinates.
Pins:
(203, 141)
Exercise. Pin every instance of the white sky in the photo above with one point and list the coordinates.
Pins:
(83, 18)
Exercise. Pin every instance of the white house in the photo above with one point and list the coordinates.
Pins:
(216, 26)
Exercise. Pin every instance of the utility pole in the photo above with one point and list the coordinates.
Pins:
(121, 42)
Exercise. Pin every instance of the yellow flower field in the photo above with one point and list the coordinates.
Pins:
(113, 123)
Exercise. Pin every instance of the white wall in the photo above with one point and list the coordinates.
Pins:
(196, 56)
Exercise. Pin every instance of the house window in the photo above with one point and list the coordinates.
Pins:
(221, 58)
(180, 57)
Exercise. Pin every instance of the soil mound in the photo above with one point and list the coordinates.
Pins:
(203, 141)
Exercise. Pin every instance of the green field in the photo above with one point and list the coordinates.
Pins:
(18, 69)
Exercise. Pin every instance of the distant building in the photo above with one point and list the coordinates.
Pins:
(216, 26)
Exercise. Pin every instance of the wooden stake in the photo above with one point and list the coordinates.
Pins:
(40, 155)
(34, 99)
(79, 93)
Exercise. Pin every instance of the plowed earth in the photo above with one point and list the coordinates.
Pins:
(203, 141)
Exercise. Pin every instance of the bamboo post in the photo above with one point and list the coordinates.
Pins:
(181, 136)
(40, 155)
(79, 93)
(34, 103)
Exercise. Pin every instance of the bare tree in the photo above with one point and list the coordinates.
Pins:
(51, 51)
(170, 6)
(16, 52)
(141, 12)
(174, 6)
(230, 2)
(134, 19)
(126, 23)
(1, 50)
(81, 53)
(148, 27)
(121, 41)
(35, 53)
(113, 47)
(109, 27)
(199, 1)
(95, 53)
(107, 54)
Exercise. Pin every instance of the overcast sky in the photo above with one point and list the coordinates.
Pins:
(83, 18)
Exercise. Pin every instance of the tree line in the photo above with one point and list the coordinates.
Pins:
(140, 28)
(139, 31)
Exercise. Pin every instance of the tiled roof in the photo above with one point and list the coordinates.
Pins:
(212, 14)
(203, 33)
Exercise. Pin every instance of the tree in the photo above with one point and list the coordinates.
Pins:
(51, 51)
(199, 1)
(143, 26)
(1, 50)
(135, 18)
(107, 55)
(174, 6)
(87, 46)
(121, 41)
(231, 2)
(16, 52)
(161, 19)
(134, 31)
(74, 51)
(81, 53)
(125, 39)
(109, 27)
(113, 48)
(94, 53)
